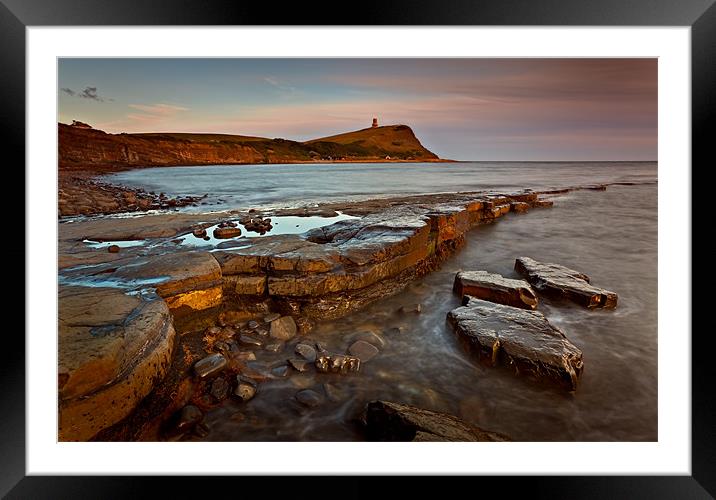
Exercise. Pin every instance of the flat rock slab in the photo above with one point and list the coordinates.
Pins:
(520, 339)
(388, 421)
(113, 348)
(560, 281)
(495, 288)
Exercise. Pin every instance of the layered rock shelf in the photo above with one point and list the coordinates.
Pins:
(560, 281)
(522, 340)
(118, 311)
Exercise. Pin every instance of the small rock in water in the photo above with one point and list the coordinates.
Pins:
(396, 330)
(363, 350)
(209, 365)
(300, 365)
(113, 248)
(261, 331)
(283, 328)
(250, 341)
(274, 347)
(253, 324)
(188, 417)
(199, 233)
(222, 347)
(333, 393)
(414, 308)
(206, 238)
(226, 232)
(336, 363)
(219, 389)
(306, 351)
(367, 336)
(495, 288)
(280, 371)
(246, 387)
(271, 317)
(309, 398)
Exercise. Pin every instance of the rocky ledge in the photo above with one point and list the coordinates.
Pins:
(519, 339)
(387, 421)
(560, 281)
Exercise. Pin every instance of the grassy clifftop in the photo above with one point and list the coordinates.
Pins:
(88, 148)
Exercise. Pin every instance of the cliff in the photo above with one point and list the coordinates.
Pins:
(82, 148)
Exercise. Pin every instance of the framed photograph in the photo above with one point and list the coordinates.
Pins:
(445, 240)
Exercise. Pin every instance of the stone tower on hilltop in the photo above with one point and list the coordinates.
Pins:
(375, 123)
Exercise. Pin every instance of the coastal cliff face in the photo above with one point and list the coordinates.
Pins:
(82, 148)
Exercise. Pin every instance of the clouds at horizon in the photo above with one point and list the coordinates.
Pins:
(480, 109)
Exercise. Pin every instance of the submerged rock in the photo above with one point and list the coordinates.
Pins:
(250, 341)
(113, 249)
(188, 418)
(306, 351)
(561, 281)
(520, 339)
(283, 328)
(363, 350)
(300, 365)
(209, 365)
(279, 371)
(388, 421)
(309, 398)
(495, 288)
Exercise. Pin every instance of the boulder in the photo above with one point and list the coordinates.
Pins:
(224, 233)
(283, 328)
(560, 281)
(495, 288)
(388, 421)
(306, 351)
(522, 340)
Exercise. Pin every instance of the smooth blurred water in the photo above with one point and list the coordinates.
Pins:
(611, 236)
(246, 186)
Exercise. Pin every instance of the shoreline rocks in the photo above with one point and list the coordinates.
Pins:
(520, 339)
(388, 421)
(495, 288)
(560, 281)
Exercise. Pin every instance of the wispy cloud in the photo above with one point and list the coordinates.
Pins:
(86, 93)
(282, 86)
(160, 109)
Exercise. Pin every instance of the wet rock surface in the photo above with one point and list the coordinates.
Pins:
(210, 365)
(283, 328)
(560, 281)
(363, 350)
(495, 288)
(112, 349)
(519, 339)
(388, 421)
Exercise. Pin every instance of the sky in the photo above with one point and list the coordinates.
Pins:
(460, 108)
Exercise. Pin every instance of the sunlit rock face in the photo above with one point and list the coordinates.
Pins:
(559, 281)
(495, 288)
(522, 340)
(112, 349)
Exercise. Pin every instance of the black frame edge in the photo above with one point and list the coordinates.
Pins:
(700, 14)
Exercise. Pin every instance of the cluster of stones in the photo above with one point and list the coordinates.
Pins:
(257, 224)
(227, 229)
(108, 364)
(499, 324)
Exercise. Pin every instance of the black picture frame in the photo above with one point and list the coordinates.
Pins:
(700, 15)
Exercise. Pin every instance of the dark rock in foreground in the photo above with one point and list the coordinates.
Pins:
(387, 421)
(561, 281)
(520, 339)
(495, 288)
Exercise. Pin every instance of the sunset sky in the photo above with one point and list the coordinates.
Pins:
(464, 109)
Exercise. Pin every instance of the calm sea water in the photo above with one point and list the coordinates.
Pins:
(245, 186)
(611, 236)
